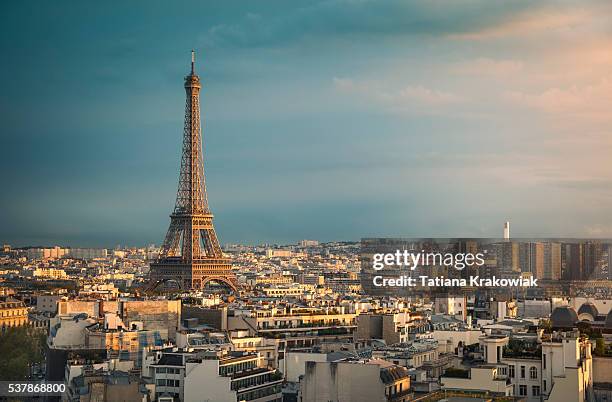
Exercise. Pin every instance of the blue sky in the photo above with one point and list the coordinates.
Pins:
(328, 120)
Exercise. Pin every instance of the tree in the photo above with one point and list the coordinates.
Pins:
(546, 325)
(600, 347)
(20, 347)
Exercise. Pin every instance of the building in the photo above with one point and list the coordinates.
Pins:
(572, 261)
(425, 354)
(293, 365)
(47, 303)
(524, 369)
(278, 253)
(101, 386)
(44, 253)
(309, 243)
(50, 273)
(567, 368)
(282, 291)
(13, 313)
(552, 261)
(484, 378)
(296, 327)
(392, 327)
(162, 316)
(354, 381)
(230, 377)
(507, 257)
(455, 306)
(87, 253)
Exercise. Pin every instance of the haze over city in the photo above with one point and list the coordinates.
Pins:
(331, 121)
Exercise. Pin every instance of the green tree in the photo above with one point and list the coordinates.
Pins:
(20, 347)
(600, 347)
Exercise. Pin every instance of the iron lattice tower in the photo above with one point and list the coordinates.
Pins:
(191, 254)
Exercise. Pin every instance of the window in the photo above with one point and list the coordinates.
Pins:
(544, 361)
(544, 385)
(161, 383)
(511, 371)
(535, 390)
(522, 371)
(533, 373)
(522, 390)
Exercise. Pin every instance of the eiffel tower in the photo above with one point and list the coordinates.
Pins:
(191, 255)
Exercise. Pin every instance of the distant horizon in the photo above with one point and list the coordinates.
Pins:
(296, 242)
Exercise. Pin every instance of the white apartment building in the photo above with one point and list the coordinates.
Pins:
(485, 378)
(525, 375)
(562, 372)
(297, 327)
(231, 377)
(567, 368)
(219, 375)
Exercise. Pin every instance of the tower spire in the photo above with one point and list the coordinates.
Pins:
(192, 61)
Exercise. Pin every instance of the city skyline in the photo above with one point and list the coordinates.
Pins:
(318, 123)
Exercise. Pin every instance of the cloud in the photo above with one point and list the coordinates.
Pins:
(347, 18)
(347, 84)
(415, 98)
(590, 101)
(420, 94)
(486, 66)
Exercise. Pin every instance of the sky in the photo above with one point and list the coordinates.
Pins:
(327, 120)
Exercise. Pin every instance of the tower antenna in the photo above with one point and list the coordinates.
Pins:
(192, 61)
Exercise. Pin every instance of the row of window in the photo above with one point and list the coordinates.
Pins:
(250, 381)
(533, 372)
(301, 323)
(168, 383)
(259, 393)
(12, 313)
(235, 368)
(394, 389)
(169, 370)
(535, 390)
(13, 323)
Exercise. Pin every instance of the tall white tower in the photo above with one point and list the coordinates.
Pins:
(507, 231)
